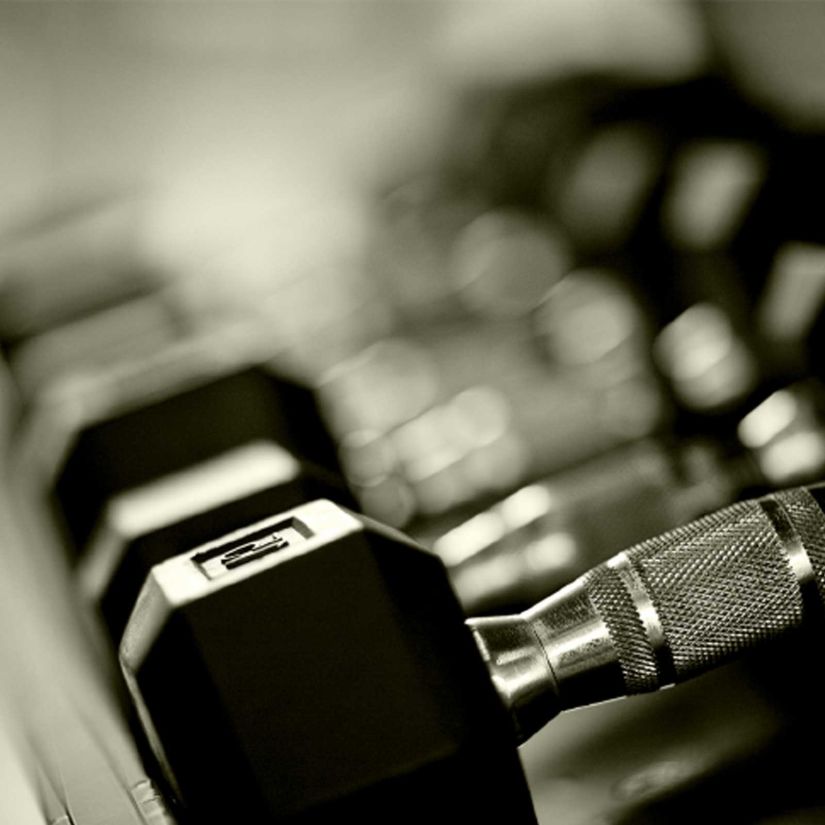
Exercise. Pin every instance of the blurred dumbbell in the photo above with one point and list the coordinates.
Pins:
(543, 535)
(145, 525)
(690, 174)
(168, 452)
(708, 350)
(739, 267)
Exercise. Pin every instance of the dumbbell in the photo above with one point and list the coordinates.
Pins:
(164, 453)
(701, 229)
(542, 535)
(316, 666)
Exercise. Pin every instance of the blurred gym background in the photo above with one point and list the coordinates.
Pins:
(555, 269)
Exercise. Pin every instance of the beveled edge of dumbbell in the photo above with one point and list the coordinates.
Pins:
(88, 397)
(183, 579)
(229, 476)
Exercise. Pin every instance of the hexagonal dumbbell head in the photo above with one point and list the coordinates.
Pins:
(146, 525)
(316, 667)
(167, 415)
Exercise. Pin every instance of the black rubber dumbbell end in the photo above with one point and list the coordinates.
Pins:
(316, 667)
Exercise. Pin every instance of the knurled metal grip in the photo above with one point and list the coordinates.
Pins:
(671, 607)
(701, 594)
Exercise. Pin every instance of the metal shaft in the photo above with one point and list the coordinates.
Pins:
(664, 611)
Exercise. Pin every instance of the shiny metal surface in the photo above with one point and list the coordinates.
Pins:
(791, 541)
(520, 671)
(645, 607)
(664, 611)
(578, 645)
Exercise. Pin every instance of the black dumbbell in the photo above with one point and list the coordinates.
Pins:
(170, 452)
(173, 412)
(316, 666)
(322, 665)
(146, 525)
